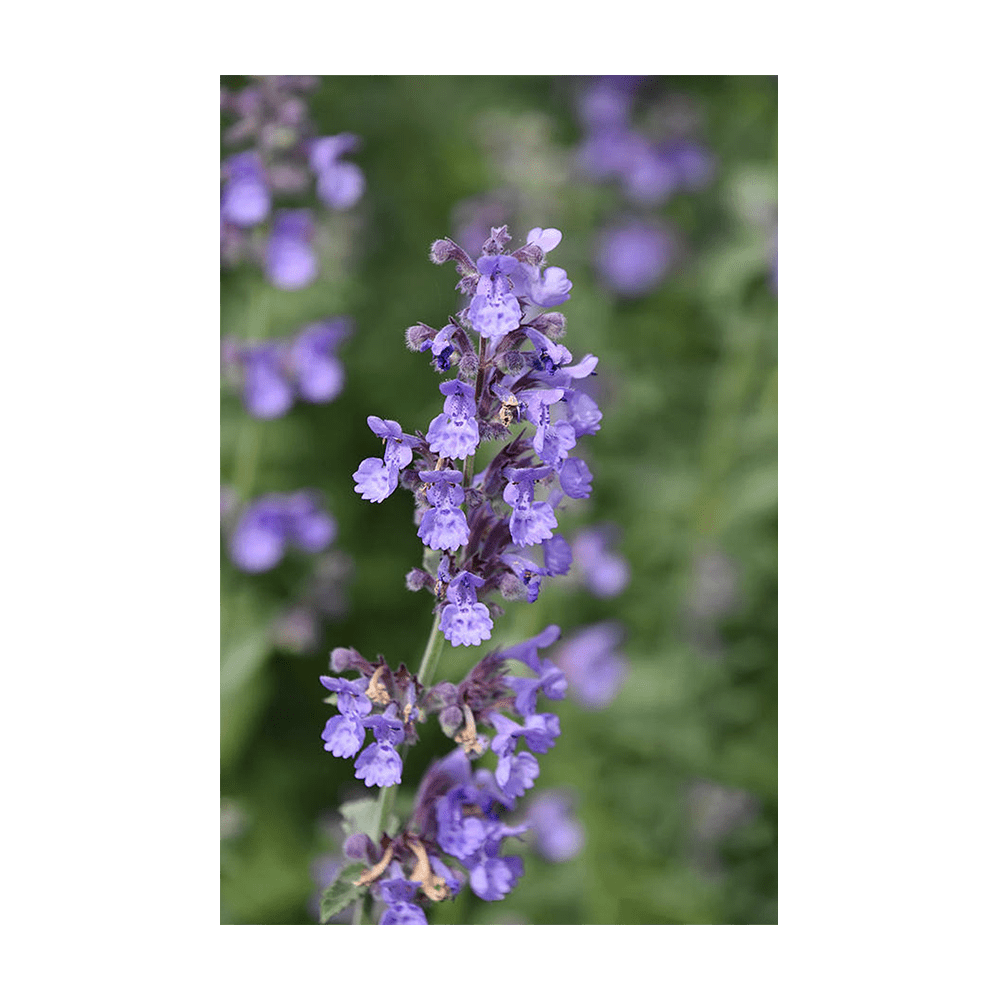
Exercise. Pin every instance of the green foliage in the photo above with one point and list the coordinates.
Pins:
(341, 892)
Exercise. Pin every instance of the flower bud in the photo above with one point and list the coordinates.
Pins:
(359, 847)
(468, 366)
(418, 335)
(551, 325)
(513, 363)
(512, 588)
(445, 250)
(417, 579)
(342, 659)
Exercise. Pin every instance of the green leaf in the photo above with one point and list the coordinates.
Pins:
(342, 892)
(361, 816)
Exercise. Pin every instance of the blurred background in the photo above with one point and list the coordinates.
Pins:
(664, 780)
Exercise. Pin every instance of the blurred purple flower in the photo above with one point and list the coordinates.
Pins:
(271, 523)
(246, 198)
(273, 372)
(605, 573)
(593, 668)
(289, 259)
(559, 836)
(633, 258)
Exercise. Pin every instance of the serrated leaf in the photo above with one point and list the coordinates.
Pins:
(341, 892)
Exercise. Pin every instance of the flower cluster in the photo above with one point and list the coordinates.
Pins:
(270, 374)
(487, 534)
(283, 160)
(267, 526)
(649, 164)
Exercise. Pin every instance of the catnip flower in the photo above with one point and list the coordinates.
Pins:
(455, 433)
(377, 478)
(494, 309)
(531, 521)
(517, 372)
(443, 526)
(465, 620)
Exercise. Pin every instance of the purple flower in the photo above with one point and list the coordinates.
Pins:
(455, 433)
(559, 836)
(491, 877)
(444, 526)
(521, 770)
(575, 478)
(558, 555)
(632, 259)
(380, 764)
(594, 669)
(458, 833)
(339, 185)
(581, 412)
(465, 621)
(494, 309)
(271, 523)
(397, 893)
(267, 392)
(377, 478)
(605, 573)
(318, 372)
(531, 521)
(441, 349)
(246, 199)
(289, 259)
(344, 734)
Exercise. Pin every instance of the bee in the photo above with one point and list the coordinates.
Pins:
(510, 410)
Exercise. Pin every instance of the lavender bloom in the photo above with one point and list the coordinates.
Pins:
(455, 433)
(559, 836)
(633, 258)
(246, 198)
(444, 525)
(289, 259)
(605, 574)
(539, 732)
(532, 520)
(494, 309)
(377, 478)
(594, 669)
(271, 523)
(465, 621)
